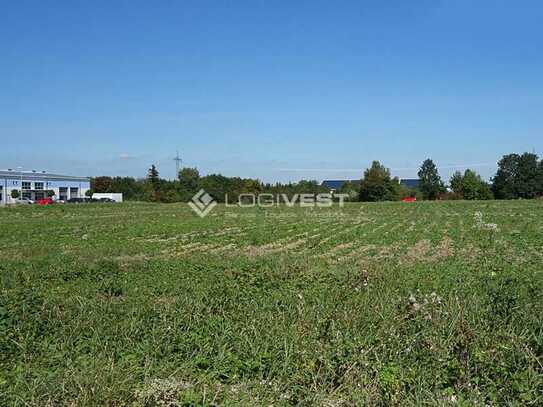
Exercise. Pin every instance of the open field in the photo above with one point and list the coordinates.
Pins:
(142, 304)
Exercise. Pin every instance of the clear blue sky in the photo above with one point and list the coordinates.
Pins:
(279, 90)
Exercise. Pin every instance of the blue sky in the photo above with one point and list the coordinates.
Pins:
(278, 90)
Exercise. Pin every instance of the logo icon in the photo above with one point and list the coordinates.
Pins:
(202, 203)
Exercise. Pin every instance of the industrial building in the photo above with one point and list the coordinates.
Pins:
(36, 185)
(336, 184)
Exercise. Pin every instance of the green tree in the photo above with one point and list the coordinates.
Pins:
(15, 193)
(504, 182)
(470, 186)
(189, 179)
(430, 181)
(377, 185)
(252, 186)
(518, 176)
(456, 183)
(527, 183)
(154, 181)
(351, 189)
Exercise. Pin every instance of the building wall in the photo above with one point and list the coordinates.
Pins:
(74, 189)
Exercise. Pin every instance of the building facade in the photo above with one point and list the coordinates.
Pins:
(38, 185)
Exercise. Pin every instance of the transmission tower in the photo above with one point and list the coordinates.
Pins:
(178, 161)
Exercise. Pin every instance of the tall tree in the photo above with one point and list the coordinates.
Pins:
(189, 179)
(154, 181)
(470, 186)
(504, 182)
(430, 181)
(518, 176)
(473, 186)
(377, 185)
(528, 173)
(456, 183)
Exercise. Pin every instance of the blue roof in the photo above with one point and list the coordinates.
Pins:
(410, 183)
(337, 183)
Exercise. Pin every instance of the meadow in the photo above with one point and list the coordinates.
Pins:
(430, 303)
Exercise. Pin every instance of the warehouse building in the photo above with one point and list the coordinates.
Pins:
(36, 185)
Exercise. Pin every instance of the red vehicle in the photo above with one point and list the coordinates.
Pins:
(409, 199)
(45, 201)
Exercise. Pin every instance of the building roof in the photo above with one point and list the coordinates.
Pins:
(336, 183)
(410, 182)
(40, 176)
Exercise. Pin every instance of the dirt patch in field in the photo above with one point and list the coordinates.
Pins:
(424, 251)
(360, 252)
(336, 249)
(128, 259)
(445, 249)
(271, 248)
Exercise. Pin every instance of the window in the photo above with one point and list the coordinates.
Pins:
(63, 193)
(39, 195)
(1, 193)
(38, 185)
(27, 185)
(74, 192)
(27, 195)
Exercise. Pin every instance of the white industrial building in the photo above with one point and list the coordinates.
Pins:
(35, 185)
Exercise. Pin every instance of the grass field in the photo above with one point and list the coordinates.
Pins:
(378, 304)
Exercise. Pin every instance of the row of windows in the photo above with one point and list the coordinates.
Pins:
(28, 185)
(63, 193)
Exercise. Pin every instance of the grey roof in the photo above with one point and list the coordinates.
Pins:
(38, 176)
(410, 182)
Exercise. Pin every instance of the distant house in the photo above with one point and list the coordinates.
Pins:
(412, 183)
(336, 184)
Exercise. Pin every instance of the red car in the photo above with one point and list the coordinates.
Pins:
(409, 199)
(45, 201)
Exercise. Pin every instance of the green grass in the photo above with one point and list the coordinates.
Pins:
(378, 304)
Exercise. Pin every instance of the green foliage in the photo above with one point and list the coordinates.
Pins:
(470, 186)
(189, 179)
(190, 182)
(15, 193)
(430, 185)
(456, 183)
(132, 189)
(377, 185)
(352, 190)
(518, 176)
(154, 183)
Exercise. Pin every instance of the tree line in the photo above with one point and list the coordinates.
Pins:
(518, 176)
(152, 188)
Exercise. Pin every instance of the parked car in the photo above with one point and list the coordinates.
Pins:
(23, 201)
(45, 201)
(107, 200)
